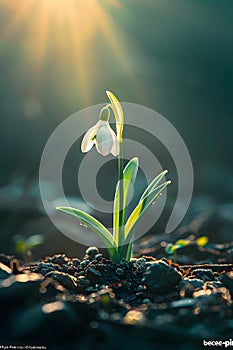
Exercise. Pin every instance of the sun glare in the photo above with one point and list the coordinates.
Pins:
(71, 29)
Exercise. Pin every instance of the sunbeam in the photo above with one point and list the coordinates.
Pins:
(68, 31)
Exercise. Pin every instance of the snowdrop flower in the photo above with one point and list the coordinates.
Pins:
(101, 135)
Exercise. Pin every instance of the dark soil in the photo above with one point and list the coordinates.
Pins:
(152, 302)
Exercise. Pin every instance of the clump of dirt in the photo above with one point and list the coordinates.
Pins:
(94, 303)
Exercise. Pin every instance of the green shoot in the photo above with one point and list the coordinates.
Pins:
(25, 245)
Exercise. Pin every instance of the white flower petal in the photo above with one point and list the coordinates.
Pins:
(104, 139)
(115, 148)
(88, 142)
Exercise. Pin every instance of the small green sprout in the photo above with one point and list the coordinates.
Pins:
(119, 245)
(172, 248)
(25, 245)
(202, 241)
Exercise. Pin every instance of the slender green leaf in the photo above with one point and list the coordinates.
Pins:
(129, 176)
(96, 226)
(153, 184)
(129, 251)
(141, 208)
(133, 218)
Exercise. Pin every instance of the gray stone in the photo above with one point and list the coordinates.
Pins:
(91, 252)
(186, 302)
(204, 274)
(189, 285)
(92, 274)
(161, 277)
(119, 271)
(83, 282)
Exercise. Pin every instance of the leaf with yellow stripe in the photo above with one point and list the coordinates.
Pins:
(141, 208)
(129, 177)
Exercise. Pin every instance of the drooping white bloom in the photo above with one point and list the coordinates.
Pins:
(101, 135)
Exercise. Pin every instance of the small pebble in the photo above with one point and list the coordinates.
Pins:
(91, 252)
(146, 301)
(119, 271)
(83, 282)
(92, 273)
(84, 263)
(140, 288)
(187, 286)
(76, 262)
(140, 265)
(98, 257)
(186, 302)
(134, 317)
(204, 274)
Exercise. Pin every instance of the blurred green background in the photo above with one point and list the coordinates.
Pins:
(59, 56)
